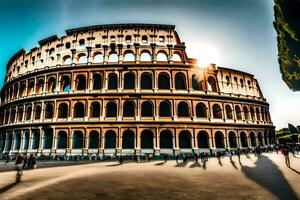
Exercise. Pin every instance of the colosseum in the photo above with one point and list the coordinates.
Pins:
(126, 89)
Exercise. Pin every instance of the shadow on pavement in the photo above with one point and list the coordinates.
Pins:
(295, 170)
(182, 164)
(268, 175)
(161, 163)
(8, 187)
(113, 165)
(233, 164)
(195, 164)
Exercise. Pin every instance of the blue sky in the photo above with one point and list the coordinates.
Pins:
(241, 31)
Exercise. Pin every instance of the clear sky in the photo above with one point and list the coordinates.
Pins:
(240, 31)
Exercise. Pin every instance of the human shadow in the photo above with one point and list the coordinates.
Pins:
(161, 163)
(295, 170)
(195, 164)
(113, 165)
(204, 165)
(8, 187)
(220, 163)
(181, 164)
(233, 164)
(268, 175)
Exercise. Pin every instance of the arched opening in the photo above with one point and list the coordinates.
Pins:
(238, 112)
(82, 58)
(79, 109)
(232, 140)
(147, 109)
(38, 111)
(2, 142)
(183, 109)
(65, 84)
(9, 142)
(145, 57)
(22, 89)
(110, 140)
(257, 114)
(61, 140)
(146, 81)
(129, 80)
(166, 140)
(203, 140)
(48, 138)
(28, 112)
(243, 138)
(67, 60)
(113, 57)
(49, 111)
(94, 140)
(30, 88)
(260, 139)
(26, 140)
(81, 42)
(12, 115)
(35, 139)
(112, 81)
(63, 110)
(128, 109)
(147, 139)
(176, 57)
(129, 57)
(40, 86)
(20, 114)
(95, 109)
(80, 82)
(217, 111)
(180, 81)
(253, 139)
(111, 109)
(185, 141)
(144, 39)
(97, 81)
(17, 141)
(128, 140)
(196, 83)
(252, 113)
(165, 109)
(212, 84)
(246, 112)
(228, 112)
(77, 140)
(163, 81)
(51, 85)
(266, 138)
(162, 57)
(201, 110)
(98, 58)
(219, 140)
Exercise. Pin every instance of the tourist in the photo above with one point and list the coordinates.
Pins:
(196, 157)
(238, 153)
(25, 161)
(229, 154)
(286, 156)
(33, 162)
(165, 157)
(19, 163)
(219, 156)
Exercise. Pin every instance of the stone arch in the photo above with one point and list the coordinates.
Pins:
(110, 140)
(212, 84)
(28, 112)
(246, 112)
(98, 58)
(111, 109)
(201, 110)
(35, 139)
(49, 111)
(65, 83)
(162, 56)
(185, 140)
(166, 139)
(146, 80)
(232, 140)
(9, 142)
(128, 108)
(257, 114)
(244, 140)
(253, 139)
(252, 113)
(78, 140)
(95, 109)
(48, 139)
(37, 112)
(238, 112)
(260, 139)
(165, 109)
(97, 81)
(217, 111)
(219, 140)
(180, 81)
(113, 57)
(164, 81)
(82, 58)
(228, 112)
(40, 86)
(147, 109)
(20, 113)
(63, 110)
(67, 60)
(203, 139)
(94, 139)
(17, 141)
(128, 139)
(79, 110)
(112, 81)
(129, 56)
(147, 139)
(80, 82)
(51, 85)
(145, 56)
(129, 80)
(183, 109)
(26, 140)
(177, 57)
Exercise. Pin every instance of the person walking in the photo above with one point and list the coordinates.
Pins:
(19, 163)
(177, 158)
(286, 152)
(238, 153)
(196, 157)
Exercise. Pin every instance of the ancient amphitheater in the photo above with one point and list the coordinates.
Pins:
(126, 89)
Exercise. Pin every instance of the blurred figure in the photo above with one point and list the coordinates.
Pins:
(286, 152)
(19, 163)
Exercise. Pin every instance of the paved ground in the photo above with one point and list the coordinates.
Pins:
(264, 178)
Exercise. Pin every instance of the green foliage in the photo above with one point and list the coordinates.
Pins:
(287, 25)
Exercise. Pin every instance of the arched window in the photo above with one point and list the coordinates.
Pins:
(128, 39)
(110, 140)
(260, 139)
(48, 138)
(145, 57)
(51, 85)
(147, 109)
(201, 110)
(82, 58)
(129, 57)
(252, 113)
(67, 60)
(243, 138)
(112, 81)
(146, 139)
(217, 111)
(13, 115)
(183, 109)
(98, 58)
(219, 140)
(77, 140)
(61, 140)
(146, 81)
(49, 111)
(40, 86)
(38, 111)
(80, 82)
(163, 81)
(128, 140)
(30, 88)
(203, 140)
(162, 57)
(22, 89)
(20, 114)
(257, 114)
(129, 80)
(176, 58)
(26, 140)
(63, 110)
(232, 140)
(35, 139)
(111, 109)
(228, 112)
(238, 112)
(165, 109)
(128, 109)
(246, 112)
(94, 140)
(113, 57)
(253, 139)
(144, 39)
(95, 109)
(196, 83)
(81, 42)
(97, 81)
(79, 109)
(212, 84)
(166, 140)
(28, 113)
(9, 142)
(185, 141)
(180, 81)
(65, 84)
